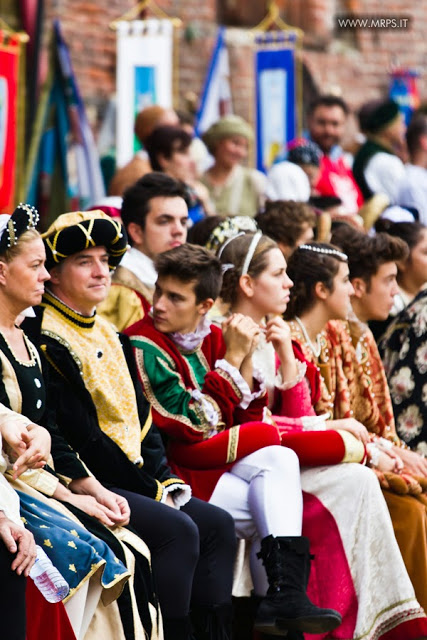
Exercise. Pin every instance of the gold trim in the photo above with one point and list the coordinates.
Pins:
(354, 450)
(233, 443)
(140, 6)
(230, 381)
(49, 300)
(171, 481)
(64, 343)
(151, 397)
(146, 428)
(160, 491)
(143, 340)
(22, 36)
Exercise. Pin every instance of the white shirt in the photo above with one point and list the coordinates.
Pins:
(413, 190)
(141, 266)
(384, 174)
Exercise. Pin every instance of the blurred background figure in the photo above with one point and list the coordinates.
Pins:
(146, 121)
(377, 166)
(234, 189)
(413, 188)
(289, 223)
(169, 151)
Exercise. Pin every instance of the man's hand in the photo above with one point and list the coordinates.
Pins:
(20, 540)
(92, 507)
(117, 506)
(240, 336)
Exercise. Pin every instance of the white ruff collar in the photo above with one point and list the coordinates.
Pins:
(190, 341)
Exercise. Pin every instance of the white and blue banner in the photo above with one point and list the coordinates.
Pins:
(143, 76)
(216, 96)
(275, 94)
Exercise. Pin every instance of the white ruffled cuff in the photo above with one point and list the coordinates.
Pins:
(181, 494)
(314, 423)
(207, 408)
(284, 386)
(247, 395)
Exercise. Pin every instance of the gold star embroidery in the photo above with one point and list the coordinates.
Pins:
(74, 533)
(44, 526)
(93, 566)
(72, 544)
(72, 568)
(24, 520)
(47, 543)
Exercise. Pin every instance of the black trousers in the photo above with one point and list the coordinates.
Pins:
(192, 551)
(12, 600)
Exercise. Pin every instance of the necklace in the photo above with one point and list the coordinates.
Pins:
(316, 349)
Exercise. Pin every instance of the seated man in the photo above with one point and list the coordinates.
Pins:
(104, 417)
(208, 401)
(361, 385)
(155, 215)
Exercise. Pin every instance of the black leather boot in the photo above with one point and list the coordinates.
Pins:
(286, 605)
(177, 629)
(212, 622)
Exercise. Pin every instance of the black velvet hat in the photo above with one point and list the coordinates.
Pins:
(379, 116)
(23, 218)
(80, 230)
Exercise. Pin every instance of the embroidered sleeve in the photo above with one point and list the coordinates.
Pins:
(174, 404)
(239, 384)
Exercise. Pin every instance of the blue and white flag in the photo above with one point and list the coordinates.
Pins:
(216, 96)
(275, 95)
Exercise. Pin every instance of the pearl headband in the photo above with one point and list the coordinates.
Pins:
(325, 251)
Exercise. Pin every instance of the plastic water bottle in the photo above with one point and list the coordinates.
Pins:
(47, 578)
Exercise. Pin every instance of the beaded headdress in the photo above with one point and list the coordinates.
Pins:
(324, 250)
(12, 227)
(229, 228)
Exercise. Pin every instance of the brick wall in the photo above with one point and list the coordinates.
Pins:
(355, 64)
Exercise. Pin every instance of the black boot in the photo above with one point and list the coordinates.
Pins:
(177, 629)
(286, 605)
(212, 622)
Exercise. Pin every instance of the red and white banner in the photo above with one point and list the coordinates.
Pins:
(9, 75)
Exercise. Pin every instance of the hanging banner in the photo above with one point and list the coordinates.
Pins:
(216, 95)
(144, 76)
(10, 50)
(404, 91)
(63, 169)
(275, 94)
